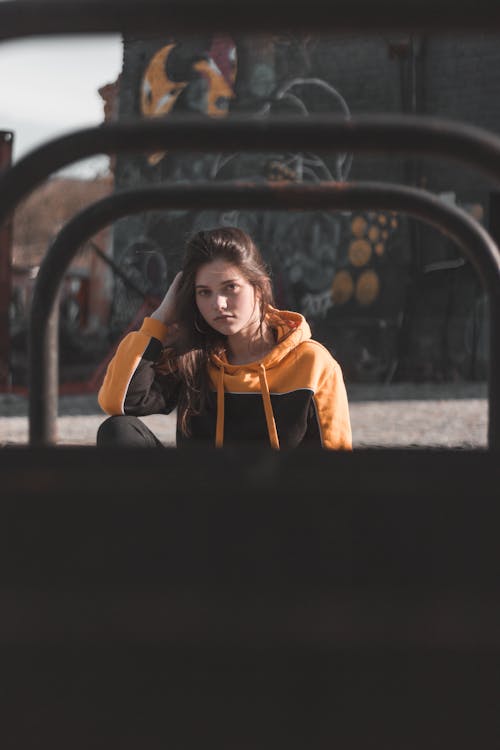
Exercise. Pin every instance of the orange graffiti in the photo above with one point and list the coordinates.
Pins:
(219, 91)
(159, 93)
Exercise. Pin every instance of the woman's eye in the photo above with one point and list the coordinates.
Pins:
(202, 292)
(232, 287)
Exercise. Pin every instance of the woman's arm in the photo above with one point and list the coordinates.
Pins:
(131, 385)
(165, 313)
(332, 409)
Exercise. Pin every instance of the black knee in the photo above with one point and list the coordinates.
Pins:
(125, 430)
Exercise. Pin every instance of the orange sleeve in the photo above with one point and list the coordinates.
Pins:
(122, 367)
(332, 410)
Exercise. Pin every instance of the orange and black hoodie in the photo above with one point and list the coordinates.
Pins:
(295, 395)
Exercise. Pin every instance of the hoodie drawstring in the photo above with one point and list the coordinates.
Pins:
(268, 409)
(219, 429)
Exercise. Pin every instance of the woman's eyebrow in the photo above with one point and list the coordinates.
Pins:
(224, 281)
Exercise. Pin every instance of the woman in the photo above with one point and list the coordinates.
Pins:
(237, 369)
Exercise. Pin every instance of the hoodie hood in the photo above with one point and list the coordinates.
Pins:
(291, 330)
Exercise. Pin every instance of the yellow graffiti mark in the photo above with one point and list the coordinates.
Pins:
(219, 91)
(359, 252)
(367, 288)
(379, 248)
(342, 287)
(358, 226)
(477, 211)
(373, 233)
(158, 92)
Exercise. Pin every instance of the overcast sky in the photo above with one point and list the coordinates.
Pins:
(49, 86)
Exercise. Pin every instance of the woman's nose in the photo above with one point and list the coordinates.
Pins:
(220, 302)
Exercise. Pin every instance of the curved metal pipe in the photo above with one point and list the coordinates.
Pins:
(20, 18)
(474, 241)
(392, 134)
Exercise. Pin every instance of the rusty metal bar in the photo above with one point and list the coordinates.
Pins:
(389, 134)
(475, 242)
(312, 589)
(21, 18)
(6, 143)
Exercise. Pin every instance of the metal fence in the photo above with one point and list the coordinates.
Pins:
(383, 133)
(472, 239)
(315, 598)
(20, 18)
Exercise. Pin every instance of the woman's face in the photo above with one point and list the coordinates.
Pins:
(225, 299)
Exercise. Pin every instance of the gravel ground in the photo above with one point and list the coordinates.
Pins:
(448, 415)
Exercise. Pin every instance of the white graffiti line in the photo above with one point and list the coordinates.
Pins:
(316, 305)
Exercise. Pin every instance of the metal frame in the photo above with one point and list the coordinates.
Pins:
(391, 555)
(20, 18)
(415, 135)
(474, 241)
(387, 134)
(6, 143)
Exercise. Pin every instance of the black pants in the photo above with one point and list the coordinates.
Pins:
(126, 431)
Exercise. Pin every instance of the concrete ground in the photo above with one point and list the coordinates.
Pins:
(447, 415)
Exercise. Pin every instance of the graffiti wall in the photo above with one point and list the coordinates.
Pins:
(359, 278)
(446, 336)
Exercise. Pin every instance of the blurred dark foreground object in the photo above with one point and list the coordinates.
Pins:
(179, 599)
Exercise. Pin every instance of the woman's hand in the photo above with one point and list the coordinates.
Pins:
(166, 311)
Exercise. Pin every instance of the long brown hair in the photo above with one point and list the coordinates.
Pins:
(198, 340)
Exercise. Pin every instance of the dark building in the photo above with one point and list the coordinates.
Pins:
(392, 298)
